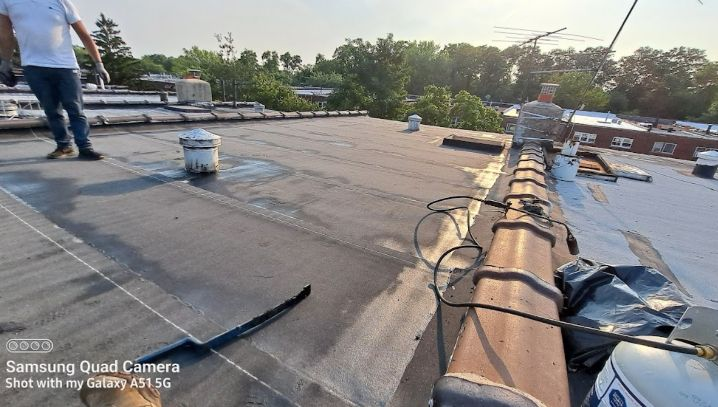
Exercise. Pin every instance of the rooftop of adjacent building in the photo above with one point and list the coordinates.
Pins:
(610, 120)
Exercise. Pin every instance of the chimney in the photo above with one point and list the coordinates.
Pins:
(193, 74)
(548, 91)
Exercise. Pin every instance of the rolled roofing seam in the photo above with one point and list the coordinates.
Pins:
(502, 351)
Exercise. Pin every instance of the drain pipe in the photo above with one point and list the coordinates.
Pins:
(501, 359)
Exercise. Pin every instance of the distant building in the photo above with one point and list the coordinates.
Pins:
(314, 94)
(605, 130)
(159, 82)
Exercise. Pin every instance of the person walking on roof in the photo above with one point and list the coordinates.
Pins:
(42, 28)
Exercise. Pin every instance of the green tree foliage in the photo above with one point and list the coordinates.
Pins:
(378, 71)
(147, 65)
(270, 62)
(575, 90)
(309, 77)
(471, 114)
(290, 62)
(83, 58)
(434, 106)
(254, 82)
(666, 83)
(426, 66)
(680, 83)
(350, 95)
(264, 88)
(711, 115)
(465, 111)
(155, 60)
(116, 54)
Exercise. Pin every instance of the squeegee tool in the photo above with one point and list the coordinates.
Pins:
(191, 343)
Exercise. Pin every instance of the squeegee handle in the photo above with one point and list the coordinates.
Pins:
(257, 321)
(163, 351)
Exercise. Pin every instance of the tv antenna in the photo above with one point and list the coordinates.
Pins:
(524, 36)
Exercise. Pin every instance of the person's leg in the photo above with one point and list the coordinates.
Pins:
(71, 99)
(43, 83)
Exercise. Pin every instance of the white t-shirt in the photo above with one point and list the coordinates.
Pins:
(42, 28)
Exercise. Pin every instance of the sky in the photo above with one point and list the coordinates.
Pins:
(308, 27)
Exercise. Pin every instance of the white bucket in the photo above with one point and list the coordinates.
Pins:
(565, 167)
(201, 151)
(638, 375)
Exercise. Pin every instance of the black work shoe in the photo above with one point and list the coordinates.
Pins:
(60, 152)
(90, 154)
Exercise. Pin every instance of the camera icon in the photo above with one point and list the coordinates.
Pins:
(29, 346)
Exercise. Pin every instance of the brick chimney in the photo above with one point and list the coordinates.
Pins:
(548, 91)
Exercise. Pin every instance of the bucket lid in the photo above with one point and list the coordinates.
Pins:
(708, 158)
(710, 155)
(415, 117)
(199, 138)
(666, 377)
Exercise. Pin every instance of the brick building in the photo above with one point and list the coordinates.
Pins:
(615, 134)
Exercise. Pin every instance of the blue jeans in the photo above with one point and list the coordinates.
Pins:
(58, 88)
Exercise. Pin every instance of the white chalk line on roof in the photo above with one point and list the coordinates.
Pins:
(138, 172)
(134, 297)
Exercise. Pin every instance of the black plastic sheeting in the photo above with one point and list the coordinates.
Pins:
(633, 300)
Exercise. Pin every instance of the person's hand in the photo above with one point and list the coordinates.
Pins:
(100, 70)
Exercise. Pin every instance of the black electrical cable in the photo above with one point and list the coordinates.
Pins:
(571, 241)
(690, 350)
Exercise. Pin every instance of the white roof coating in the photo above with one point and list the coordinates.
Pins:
(699, 126)
(675, 215)
(589, 118)
(313, 91)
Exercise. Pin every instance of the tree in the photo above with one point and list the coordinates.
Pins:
(711, 115)
(270, 61)
(116, 54)
(574, 90)
(265, 89)
(464, 65)
(426, 66)
(350, 95)
(378, 71)
(157, 63)
(617, 101)
(321, 79)
(227, 50)
(663, 84)
(494, 74)
(471, 114)
(290, 62)
(83, 58)
(434, 106)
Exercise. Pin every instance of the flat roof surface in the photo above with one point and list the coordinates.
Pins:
(668, 224)
(116, 258)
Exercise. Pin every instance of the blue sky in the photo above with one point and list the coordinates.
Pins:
(307, 27)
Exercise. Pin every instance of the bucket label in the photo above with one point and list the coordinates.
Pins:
(616, 399)
(612, 390)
